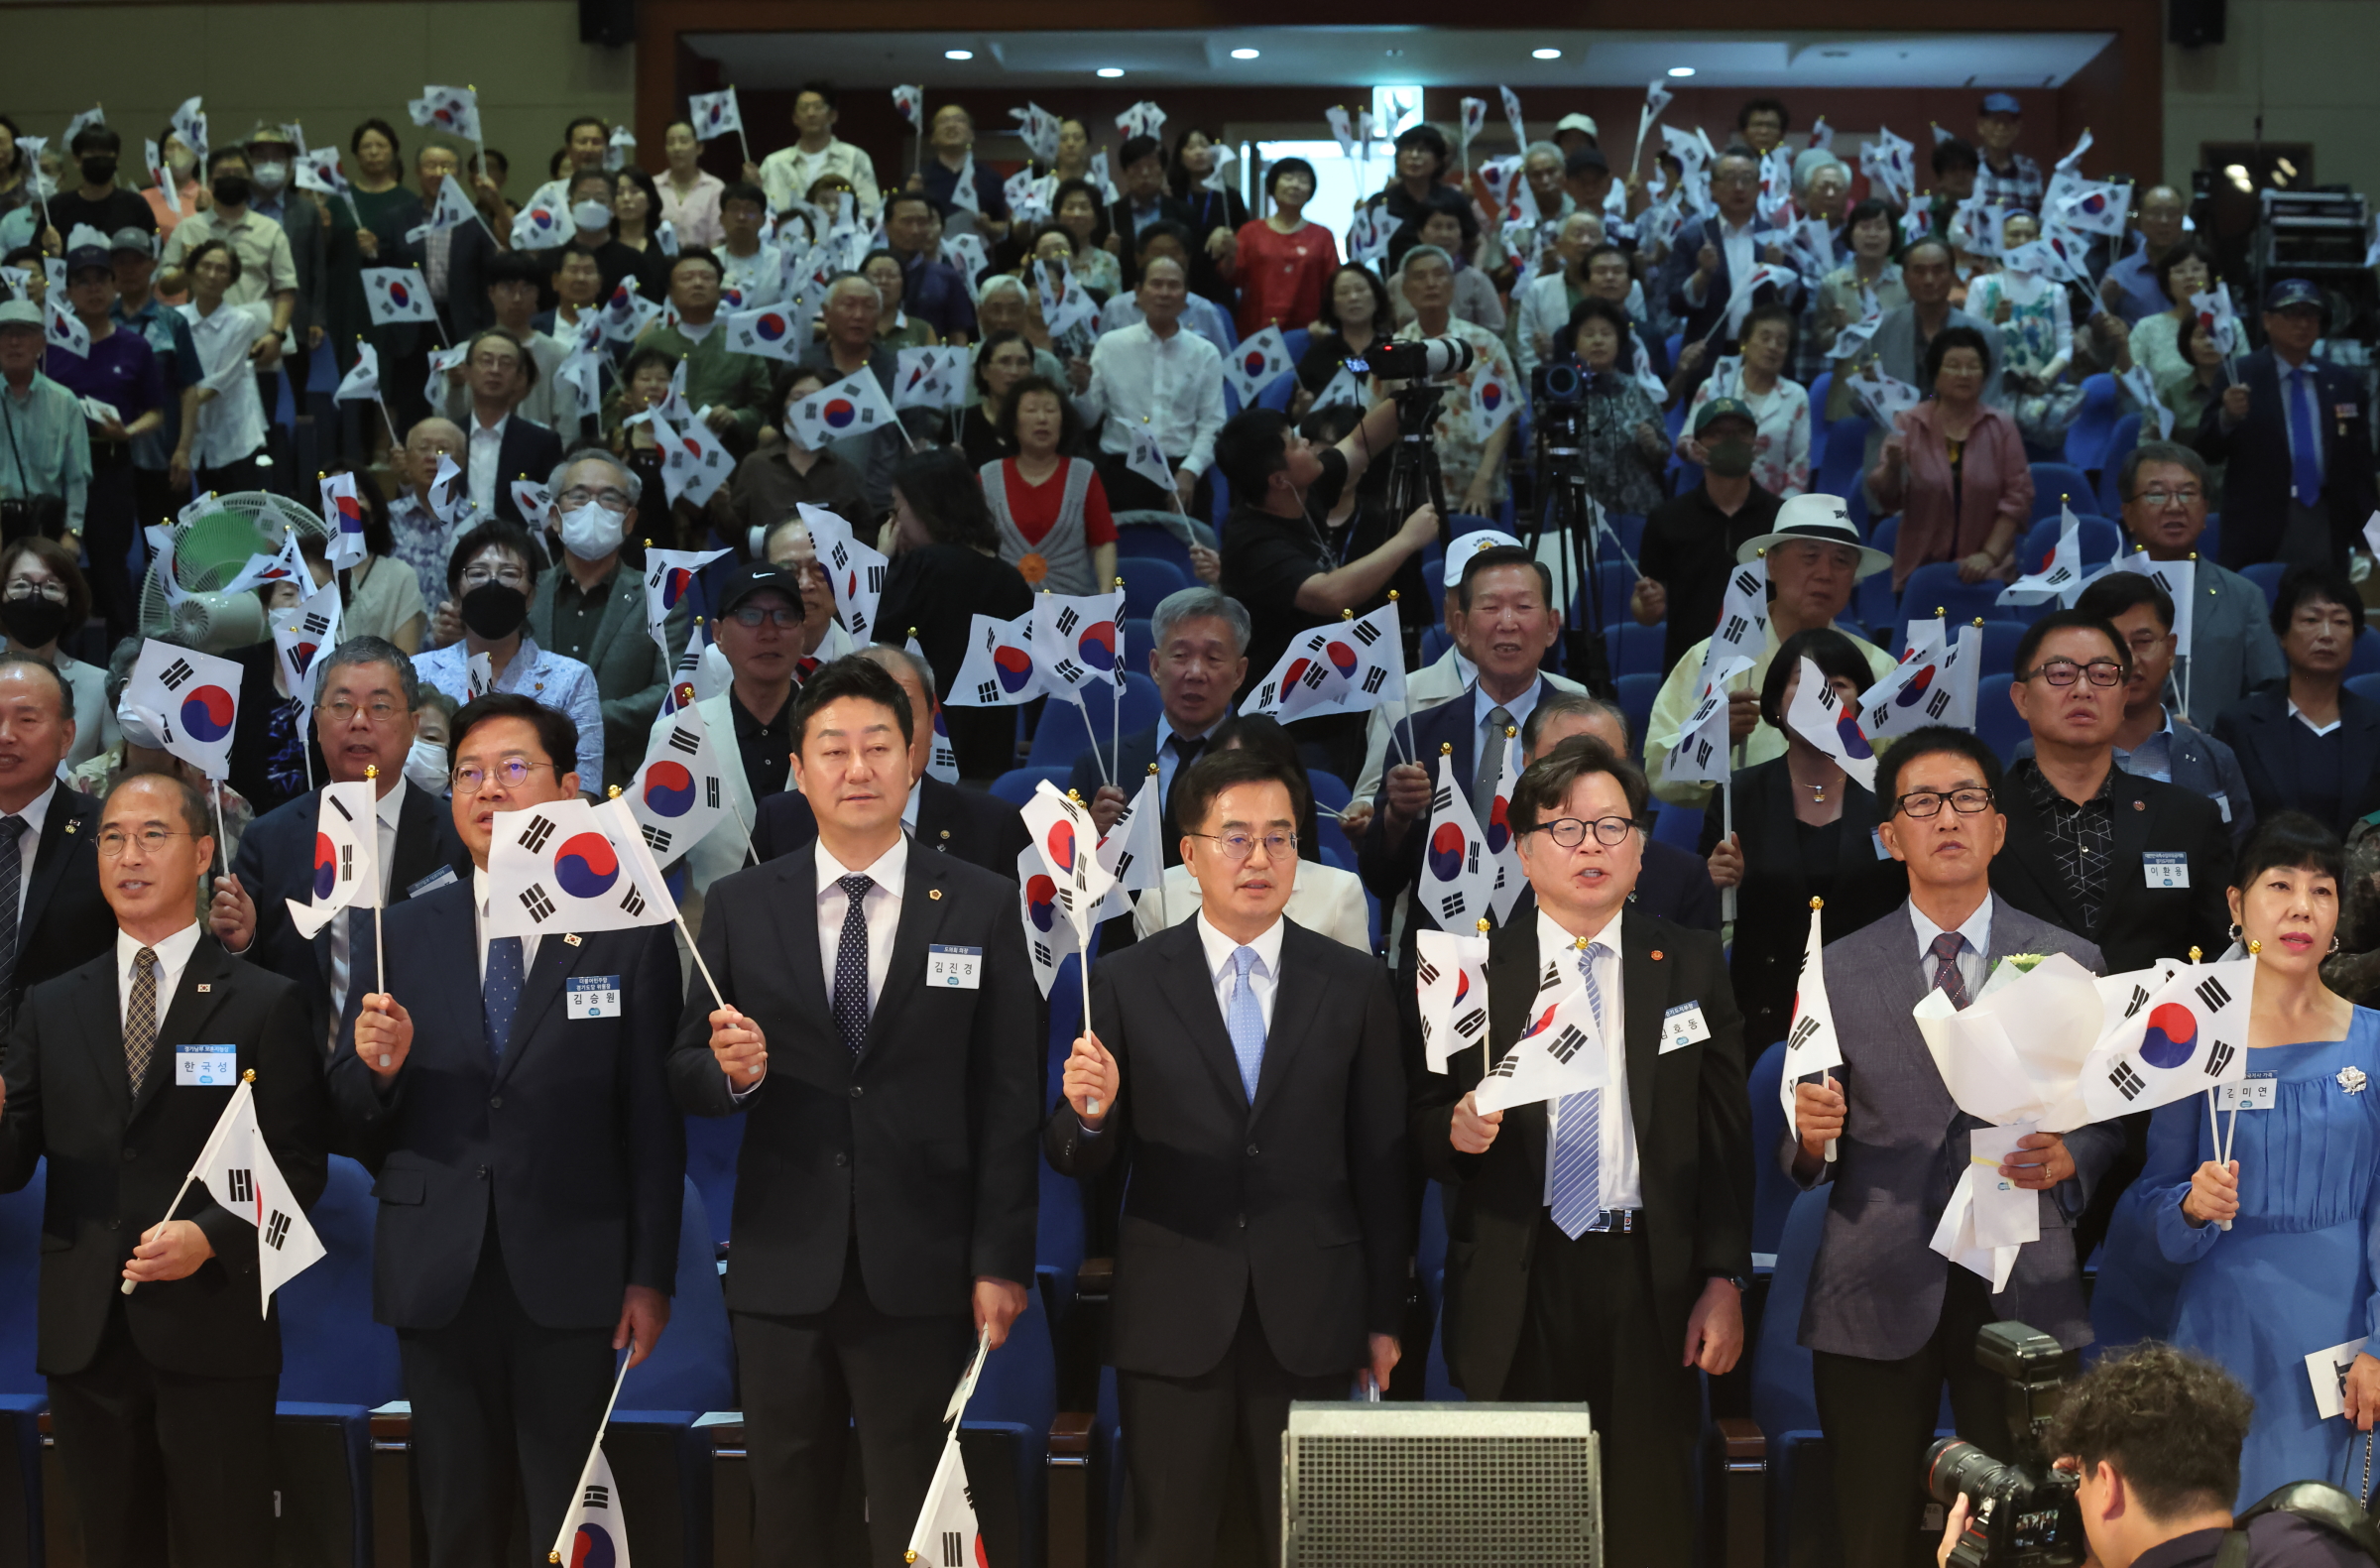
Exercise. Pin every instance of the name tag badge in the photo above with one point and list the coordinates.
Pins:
(432, 883)
(592, 996)
(1875, 836)
(2223, 804)
(954, 968)
(206, 1067)
(2253, 1093)
(1682, 1026)
(2166, 868)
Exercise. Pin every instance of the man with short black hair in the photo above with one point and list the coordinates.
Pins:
(50, 903)
(864, 1272)
(732, 385)
(788, 174)
(1762, 124)
(1142, 200)
(585, 141)
(758, 631)
(2130, 288)
(1674, 884)
(514, 281)
(2233, 650)
(1169, 241)
(748, 265)
(1691, 542)
(2150, 742)
(951, 136)
(1711, 253)
(101, 200)
(500, 446)
(930, 290)
(1899, 348)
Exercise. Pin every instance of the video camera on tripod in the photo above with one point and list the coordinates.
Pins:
(1413, 478)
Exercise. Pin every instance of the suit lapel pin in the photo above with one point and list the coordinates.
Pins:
(946, 832)
(2140, 806)
(934, 894)
(1656, 955)
(72, 826)
(570, 940)
(204, 988)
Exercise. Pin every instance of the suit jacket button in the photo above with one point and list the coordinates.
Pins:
(496, 1102)
(483, 1173)
(1244, 1222)
(1251, 1151)
(857, 1090)
(841, 1160)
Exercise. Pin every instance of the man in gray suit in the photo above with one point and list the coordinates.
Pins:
(1899, 346)
(593, 610)
(1888, 1319)
(2233, 650)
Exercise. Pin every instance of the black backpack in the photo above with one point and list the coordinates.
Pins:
(2335, 1509)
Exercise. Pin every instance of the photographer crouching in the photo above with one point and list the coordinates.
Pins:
(2149, 1442)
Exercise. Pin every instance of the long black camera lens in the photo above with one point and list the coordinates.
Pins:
(2016, 1518)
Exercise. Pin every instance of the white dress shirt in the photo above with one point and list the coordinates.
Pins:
(1173, 384)
(1263, 978)
(529, 944)
(1616, 1162)
(231, 425)
(1974, 957)
(484, 462)
(880, 907)
(29, 843)
(2298, 714)
(172, 957)
(1323, 898)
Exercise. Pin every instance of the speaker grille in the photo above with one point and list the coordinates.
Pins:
(1446, 1485)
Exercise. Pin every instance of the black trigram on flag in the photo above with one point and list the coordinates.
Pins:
(315, 624)
(1745, 582)
(1451, 907)
(597, 1497)
(346, 862)
(1044, 956)
(2139, 1000)
(177, 674)
(1507, 1067)
(684, 741)
(539, 904)
(2128, 1083)
(711, 792)
(1070, 671)
(1427, 973)
(243, 1186)
(1550, 979)
(2210, 990)
(1267, 695)
(2219, 1059)
(987, 692)
(1733, 630)
(340, 806)
(1314, 676)
(1373, 681)
(656, 839)
(875, 579)
(1471, 1024)
(1565, 1044)
(1124, 863)
(536, 836)
(1317, 641)
(1938, 704)
(1803, 1027)
(1442, 798)
(1067, 621)
(1364, 632)
(954, 1548)
(277, 1230)
(632, 905)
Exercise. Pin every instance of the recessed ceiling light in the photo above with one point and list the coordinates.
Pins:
(1545, 53)
(1110, 72)
(1393, 53)
(1681, 70)
(958, 53)
(1244, 53)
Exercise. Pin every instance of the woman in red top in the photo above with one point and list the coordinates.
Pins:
(1282, 259)
(1050, 508)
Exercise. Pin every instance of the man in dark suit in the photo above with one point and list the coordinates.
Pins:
(1674, 884)
(1712, 253)
(2296, 433)
(1246, 1069)
(531, 1168)
(1141, 186)
(593, 608)
(161, 1401)
(1198, 656)
(500, 445)
(468, 250)
(365, 715)
(53, 918)
(2129, 864)
(1598, 1244)
(887, 1195)
(977, 827)
(1890, 1320)
(2309, 744)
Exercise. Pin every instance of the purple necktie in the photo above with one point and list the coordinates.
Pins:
(1946, 968)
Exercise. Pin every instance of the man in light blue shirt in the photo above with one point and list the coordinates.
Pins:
(46, 452)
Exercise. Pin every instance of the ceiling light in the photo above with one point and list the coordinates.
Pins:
(1244, 53)
(1545, 53)
(1681, 70)
(1109, 72)
(958, 53)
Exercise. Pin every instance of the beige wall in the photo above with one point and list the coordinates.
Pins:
(325, 65)
(2311, 60)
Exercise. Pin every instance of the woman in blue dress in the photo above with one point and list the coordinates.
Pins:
(2295, 1272)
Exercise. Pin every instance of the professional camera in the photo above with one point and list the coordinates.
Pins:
(1422, 360)
(1559, 384)
(2020, 1515)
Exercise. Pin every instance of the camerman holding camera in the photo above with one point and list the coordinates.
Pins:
(46, 463)
(2153, 1436)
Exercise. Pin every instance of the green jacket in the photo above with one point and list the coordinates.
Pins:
(631, 673)
(718, 377)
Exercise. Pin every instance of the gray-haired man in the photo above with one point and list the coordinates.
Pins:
(1198, 656)
(594, 613)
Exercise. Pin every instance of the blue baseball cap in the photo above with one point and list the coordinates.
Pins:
(2288, 291)
(2002, 103)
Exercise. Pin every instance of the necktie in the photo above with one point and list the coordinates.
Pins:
(11, 881)
(2305, 438)
(1244, 1018)
(140, 1019)
(1946, 968)
(1492, 743)
(500, 993)
(343, 947)
(1578, 1131)
(851, 966)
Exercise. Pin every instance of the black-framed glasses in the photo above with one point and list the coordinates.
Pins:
(512, 773)
(1928, 802)
(2065, 671)
(1236, 847)
(755, 616)
(1570, 831)
(114, 841)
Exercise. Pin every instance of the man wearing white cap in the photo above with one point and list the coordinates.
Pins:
(1814, 559)
(1574, 131)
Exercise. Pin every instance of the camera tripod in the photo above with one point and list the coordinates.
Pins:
(1414, 477)
(1566, 509)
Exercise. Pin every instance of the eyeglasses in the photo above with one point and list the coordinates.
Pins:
(755, 616)
(25, 588)
(1570, 832)
(342, 711)
(512, 773)
(1236, 847)
(1928, 802)
(2063, 671)
(481, 576)
(611, 500)
(114, 841)
(2161, 498)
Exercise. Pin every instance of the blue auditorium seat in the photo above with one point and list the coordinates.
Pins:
(1149, 578)
(1066, 730)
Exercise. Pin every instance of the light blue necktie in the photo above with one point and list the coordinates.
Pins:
(1244, 1018)
(2305, 438)
(1578, 1131)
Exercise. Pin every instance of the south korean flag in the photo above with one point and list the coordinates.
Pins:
(554, 868)
(680, 795)
(1811, 1047)
(1458, 878)
(300, 636)
(1450, 980)
(2188, 1037)
(346, 857)
(1067, 844)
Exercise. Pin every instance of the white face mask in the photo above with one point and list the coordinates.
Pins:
(269, 177)
(592, 532)
(426, 766)
(591, 215)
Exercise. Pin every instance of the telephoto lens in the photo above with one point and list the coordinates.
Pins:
(1422, 360)
(2016, 1518)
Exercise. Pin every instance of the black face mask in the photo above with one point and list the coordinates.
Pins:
(99, 171)
(494, 611)
(231, 190)
(33, 621)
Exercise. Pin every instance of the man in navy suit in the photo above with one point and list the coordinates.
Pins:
(1198, 656)
(1672, 883)
(500, 445)
(531, 1168)
(1711, 253)
(365, 714)
(2296, 432)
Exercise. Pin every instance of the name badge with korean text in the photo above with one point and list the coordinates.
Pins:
(431, 882)
(592, 996)
(1682, 1026)
(2252, 1093)
(206, 1067)
(954, 968)
(2166, 868)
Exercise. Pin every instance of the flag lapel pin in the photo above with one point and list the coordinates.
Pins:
(570, 940)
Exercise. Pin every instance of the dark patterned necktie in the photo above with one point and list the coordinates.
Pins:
(500, 993)
(140, 1019)
(12, 884)
(1946, 969)
(851, 965)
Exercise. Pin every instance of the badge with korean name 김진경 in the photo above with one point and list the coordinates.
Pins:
(954, 968)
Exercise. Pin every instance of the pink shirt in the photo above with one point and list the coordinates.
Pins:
(1996, 481)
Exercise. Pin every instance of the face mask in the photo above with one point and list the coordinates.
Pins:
(1730, 459)
(271, 176)
(493, 611)
(591, 215)
(231, 190)
(592, 533)
(426, 766)
(99, 171)
(33, 621)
